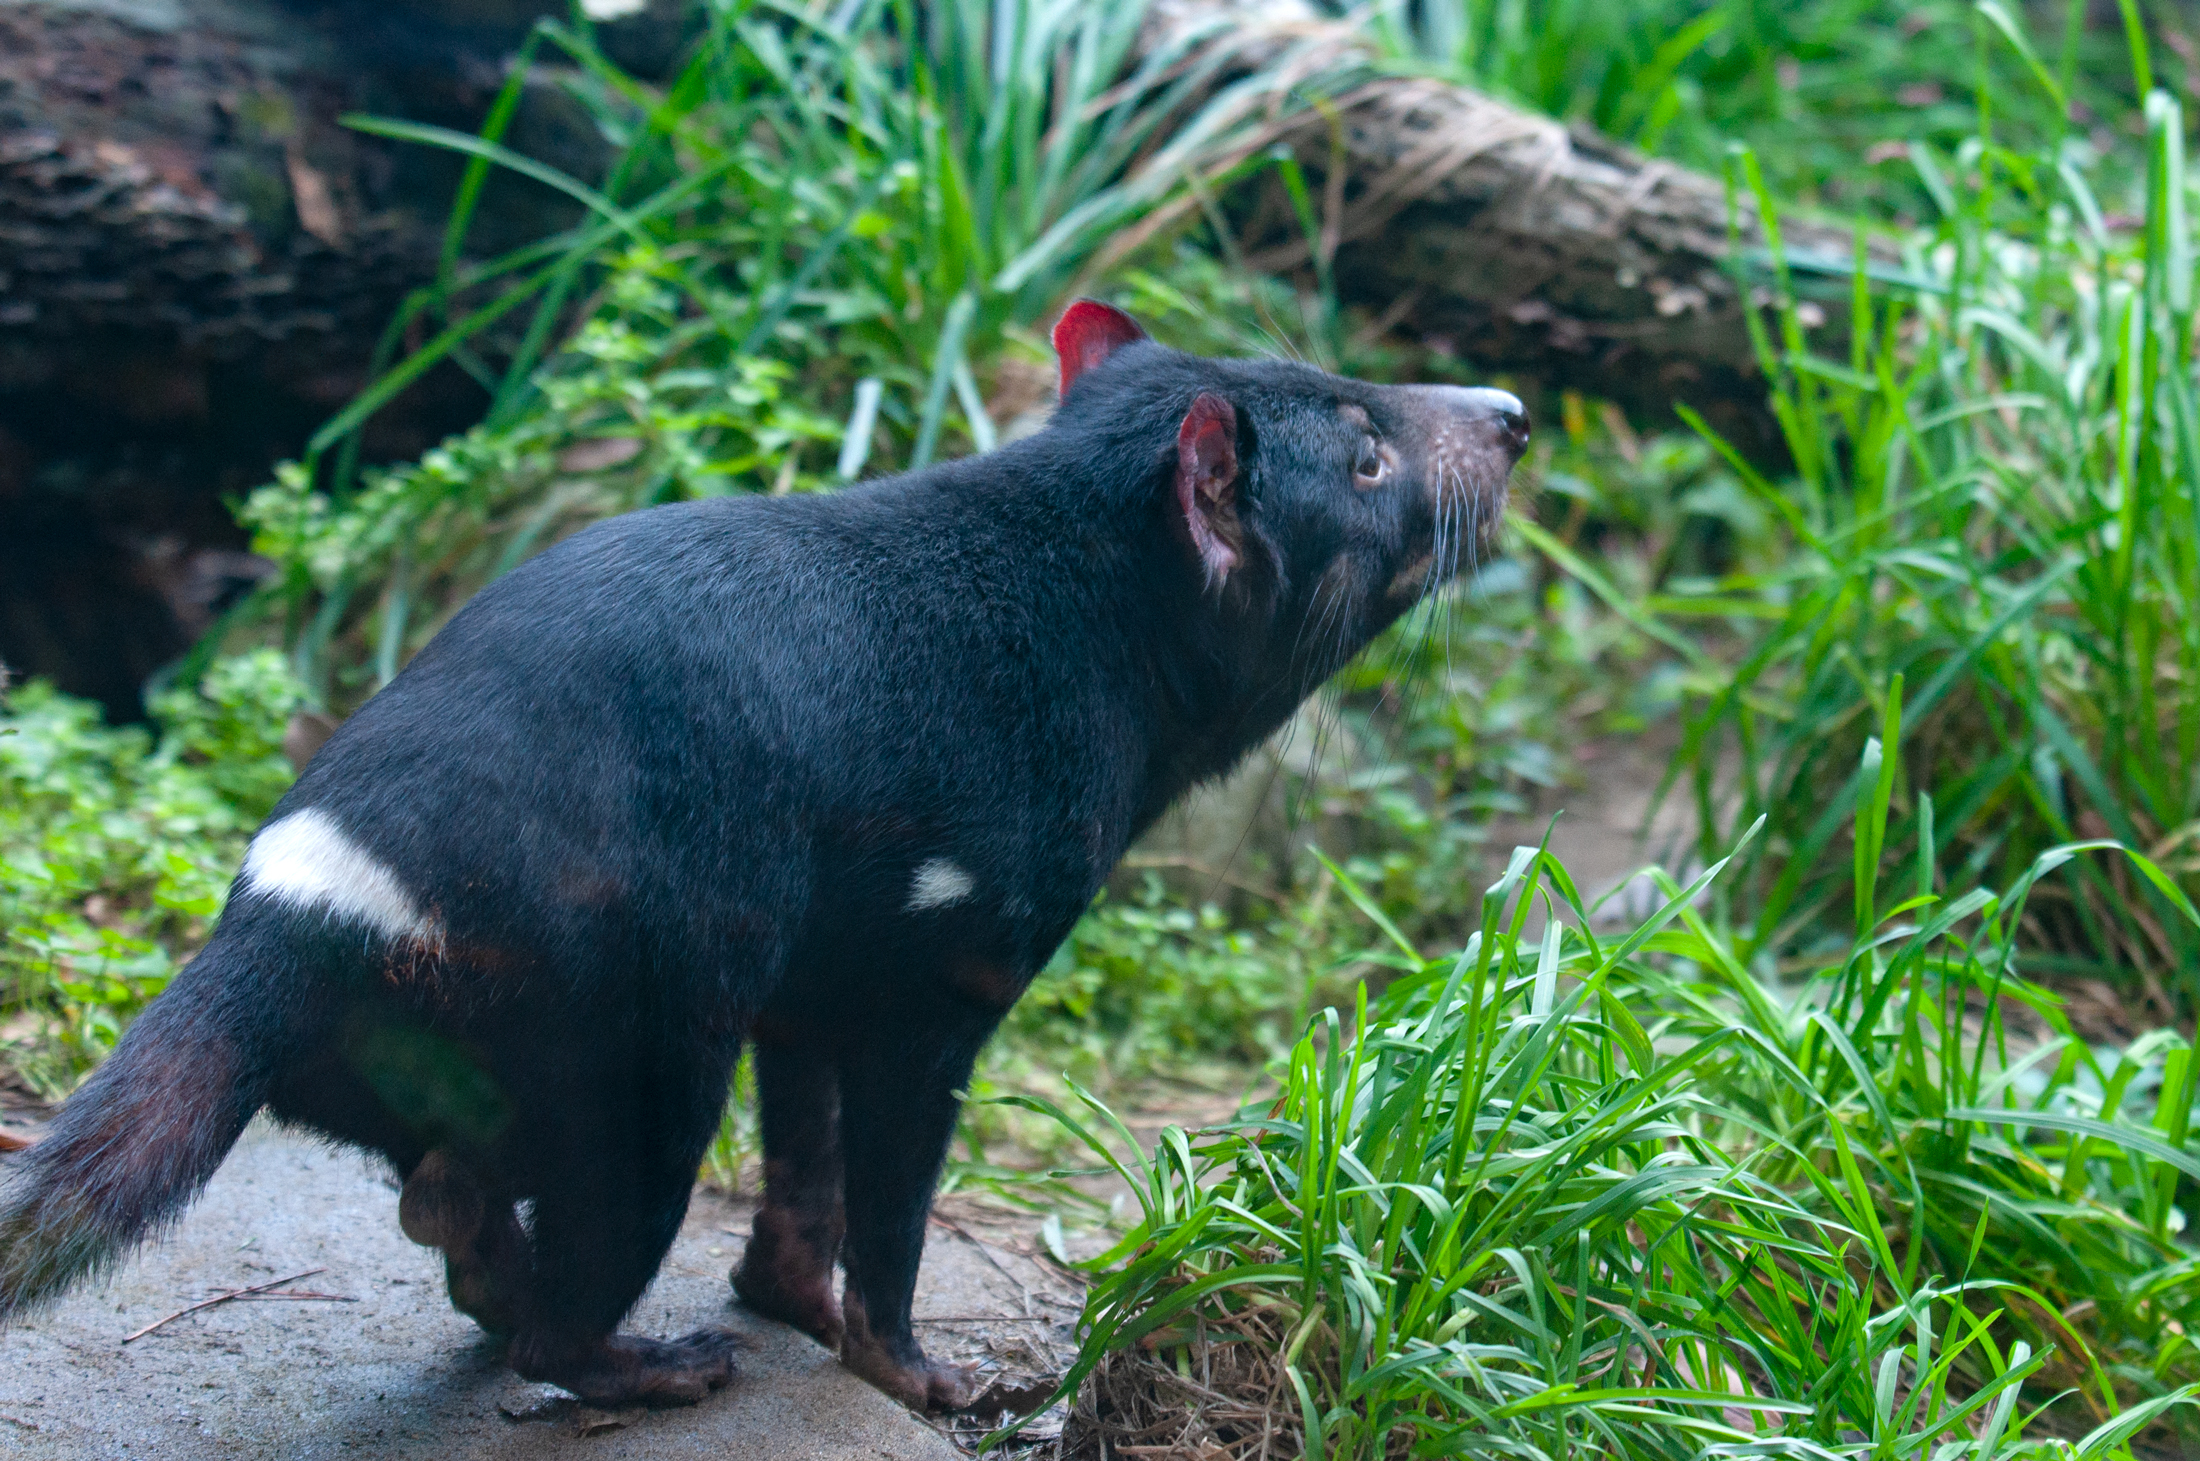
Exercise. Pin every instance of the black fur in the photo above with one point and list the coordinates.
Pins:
(669, 785)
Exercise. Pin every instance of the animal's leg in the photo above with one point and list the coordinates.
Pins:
(485, 1253)
(787, 1269)
(488, 1278)
(602, 1224)
(897, 1111)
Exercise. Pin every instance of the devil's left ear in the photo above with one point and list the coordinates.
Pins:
(1206, 483)
(1088, 333)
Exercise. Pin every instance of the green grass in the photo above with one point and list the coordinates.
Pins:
(1996, 498)
(1558, 1194)
(1814, 88)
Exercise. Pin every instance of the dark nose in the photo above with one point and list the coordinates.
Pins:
(1502, 409)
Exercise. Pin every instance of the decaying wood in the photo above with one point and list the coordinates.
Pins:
(177, 170)
(1526, 246)
(1501, 236)
(196, 258)
(114, 214)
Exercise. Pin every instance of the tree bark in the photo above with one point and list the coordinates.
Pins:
(196, 259)
(175, 171)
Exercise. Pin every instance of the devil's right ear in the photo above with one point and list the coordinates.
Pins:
(1206, 485)
(1088, 333)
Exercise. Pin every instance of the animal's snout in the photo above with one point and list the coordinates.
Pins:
(1464, 442)
(1497, 412)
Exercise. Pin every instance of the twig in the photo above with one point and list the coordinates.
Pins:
(1054, 1265)
(225, 1296)
(985, 1251)
(986, 1319)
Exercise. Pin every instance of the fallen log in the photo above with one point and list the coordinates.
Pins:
(175, 171)
(1499, 236)
(196, 259)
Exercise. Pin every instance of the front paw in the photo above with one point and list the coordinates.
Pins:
(628, 1369)
(921, 1384)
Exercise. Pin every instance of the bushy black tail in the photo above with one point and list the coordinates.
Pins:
(135, 1144)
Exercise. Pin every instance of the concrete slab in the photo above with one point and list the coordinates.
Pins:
(397, 1373)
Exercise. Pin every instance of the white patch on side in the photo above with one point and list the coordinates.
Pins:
(305, 860)
(939, 883)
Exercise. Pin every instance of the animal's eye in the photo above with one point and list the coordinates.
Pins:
(1372, 465)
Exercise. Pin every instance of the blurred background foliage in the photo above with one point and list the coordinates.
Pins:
(1829, 93)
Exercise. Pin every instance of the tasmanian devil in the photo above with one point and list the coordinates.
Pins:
(833, 775)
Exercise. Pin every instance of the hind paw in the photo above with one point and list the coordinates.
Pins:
(485, 1260)
(786, 1273)
(442, 1204)
(484, 1295)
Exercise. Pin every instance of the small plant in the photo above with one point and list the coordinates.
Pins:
(116, 850)
(635, 411)
(1629, 1197)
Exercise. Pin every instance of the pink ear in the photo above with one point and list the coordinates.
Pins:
(1088, 333)
(1206, 471)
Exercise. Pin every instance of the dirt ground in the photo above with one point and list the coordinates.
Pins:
(1605, 834)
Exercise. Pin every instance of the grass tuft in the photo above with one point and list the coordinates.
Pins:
(1561, 1194)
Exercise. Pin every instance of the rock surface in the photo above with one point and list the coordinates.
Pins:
(398, 1374)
